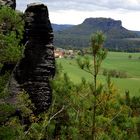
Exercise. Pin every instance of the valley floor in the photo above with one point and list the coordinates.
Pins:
(129, 63)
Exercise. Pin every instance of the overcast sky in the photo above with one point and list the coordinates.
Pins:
(75, 11)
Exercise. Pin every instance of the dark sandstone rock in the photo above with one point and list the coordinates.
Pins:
(10, 3)
(38, 65)
(7, 67)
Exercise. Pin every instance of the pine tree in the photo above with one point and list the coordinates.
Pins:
(11, 33)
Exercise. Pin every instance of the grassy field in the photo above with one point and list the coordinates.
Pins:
(115, 60)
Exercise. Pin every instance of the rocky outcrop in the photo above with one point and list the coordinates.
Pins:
(38, 65)
(103, 22)
(10, 3)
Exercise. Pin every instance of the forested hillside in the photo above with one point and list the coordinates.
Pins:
(118, 38)
(137, 32)
(60, 27)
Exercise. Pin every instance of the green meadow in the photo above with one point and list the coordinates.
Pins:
(115, 61)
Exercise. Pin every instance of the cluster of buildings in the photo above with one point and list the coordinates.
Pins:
(61, 53)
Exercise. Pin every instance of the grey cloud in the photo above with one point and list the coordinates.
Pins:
(86, 5)
(92, 4)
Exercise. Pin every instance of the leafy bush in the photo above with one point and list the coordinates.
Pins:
(11, 33)
(115, 73)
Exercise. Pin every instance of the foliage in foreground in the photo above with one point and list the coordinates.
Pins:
(11, 33)
(71, 114)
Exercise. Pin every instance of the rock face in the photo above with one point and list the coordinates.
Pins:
(38, 65)
(103, 22)
(10, 3)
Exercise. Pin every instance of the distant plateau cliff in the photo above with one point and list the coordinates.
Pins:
(117, 37)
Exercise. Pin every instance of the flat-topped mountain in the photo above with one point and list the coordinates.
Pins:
(117, 36)
(102, 22)
(112, 28)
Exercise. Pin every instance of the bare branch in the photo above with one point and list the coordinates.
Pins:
(115, 116)
(56, 114)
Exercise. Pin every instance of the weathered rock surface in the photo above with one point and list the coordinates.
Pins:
(10, 3)
(38, 65)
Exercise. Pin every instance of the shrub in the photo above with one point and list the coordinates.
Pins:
(130, 56)
(114, 73)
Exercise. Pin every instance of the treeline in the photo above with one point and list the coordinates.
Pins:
(75, 41)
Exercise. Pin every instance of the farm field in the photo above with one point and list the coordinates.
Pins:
(115, 61)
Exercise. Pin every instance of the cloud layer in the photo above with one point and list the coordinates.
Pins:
(75, 11)
(85, 4)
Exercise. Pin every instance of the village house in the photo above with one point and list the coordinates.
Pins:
(59, 53)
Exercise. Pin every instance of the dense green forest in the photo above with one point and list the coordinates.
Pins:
(117, 37)
(84, 111)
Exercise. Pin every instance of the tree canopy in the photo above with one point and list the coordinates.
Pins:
(11, 33)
